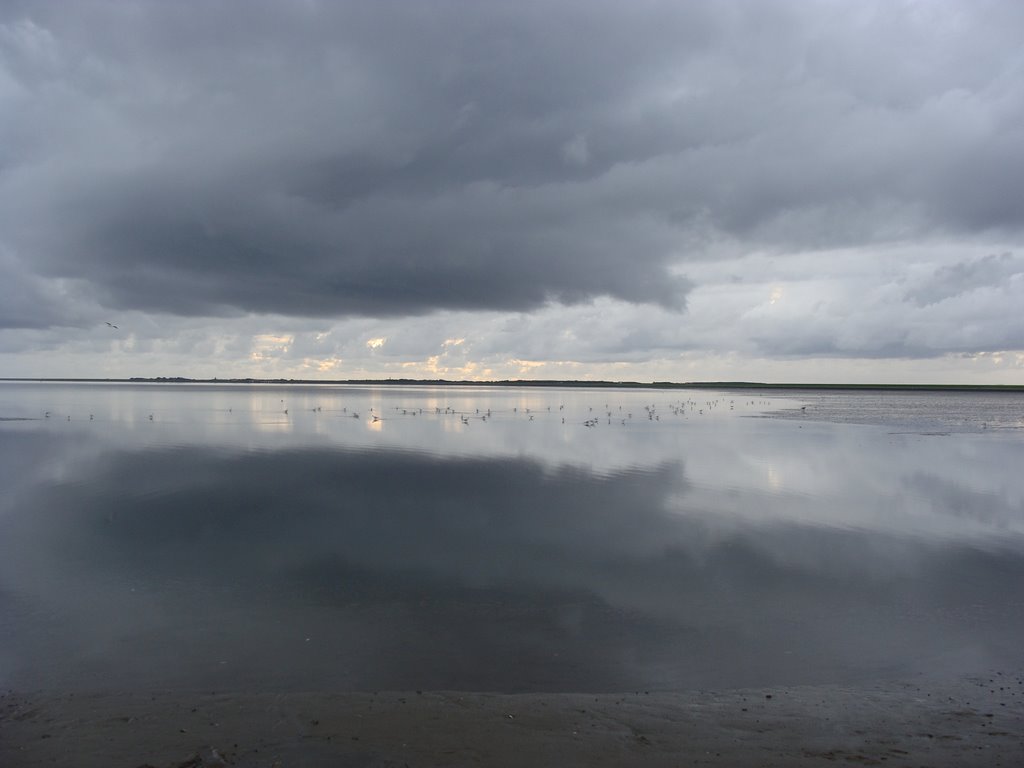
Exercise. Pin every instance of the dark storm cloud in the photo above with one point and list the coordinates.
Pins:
(24, 302)
(398, 157)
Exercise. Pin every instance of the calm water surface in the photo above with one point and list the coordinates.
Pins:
(244, 538)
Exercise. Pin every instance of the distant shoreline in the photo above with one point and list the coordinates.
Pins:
(729, 385)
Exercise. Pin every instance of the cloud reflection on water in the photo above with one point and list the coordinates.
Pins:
(201, 566)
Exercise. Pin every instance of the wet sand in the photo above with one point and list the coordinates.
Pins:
(977, 721)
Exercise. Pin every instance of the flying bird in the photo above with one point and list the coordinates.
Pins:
(112, 325)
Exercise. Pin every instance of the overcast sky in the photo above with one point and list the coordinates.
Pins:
(759, 190)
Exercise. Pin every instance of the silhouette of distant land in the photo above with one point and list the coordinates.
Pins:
(574, 383)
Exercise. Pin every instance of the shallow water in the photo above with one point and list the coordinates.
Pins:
(931, 412)
(264, 537)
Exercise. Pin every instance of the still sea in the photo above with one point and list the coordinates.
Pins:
(284, 538)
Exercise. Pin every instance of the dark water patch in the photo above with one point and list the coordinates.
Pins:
(333, 568)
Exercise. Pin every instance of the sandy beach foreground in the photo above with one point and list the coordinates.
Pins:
(968, 721)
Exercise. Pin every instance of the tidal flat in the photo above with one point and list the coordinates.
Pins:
(525, 575)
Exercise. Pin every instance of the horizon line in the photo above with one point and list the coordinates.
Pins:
(391, 381)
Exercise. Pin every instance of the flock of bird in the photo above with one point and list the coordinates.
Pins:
(609, 414)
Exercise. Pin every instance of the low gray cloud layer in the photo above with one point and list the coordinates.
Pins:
(397, 158)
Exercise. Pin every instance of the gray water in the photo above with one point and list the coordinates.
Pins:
(267, 538)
